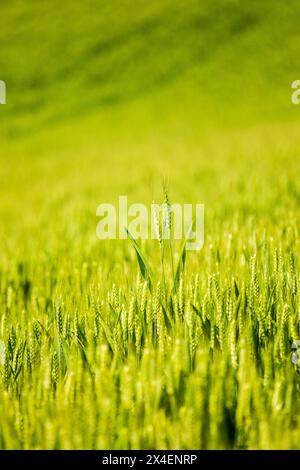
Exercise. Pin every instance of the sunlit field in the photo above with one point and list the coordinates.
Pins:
(108, 344)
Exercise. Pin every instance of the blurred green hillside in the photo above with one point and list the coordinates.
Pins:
(105, 97)
(216, 61)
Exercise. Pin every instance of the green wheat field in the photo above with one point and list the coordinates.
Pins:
(188, 101)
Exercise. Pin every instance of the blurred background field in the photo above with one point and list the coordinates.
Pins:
(106, 97)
